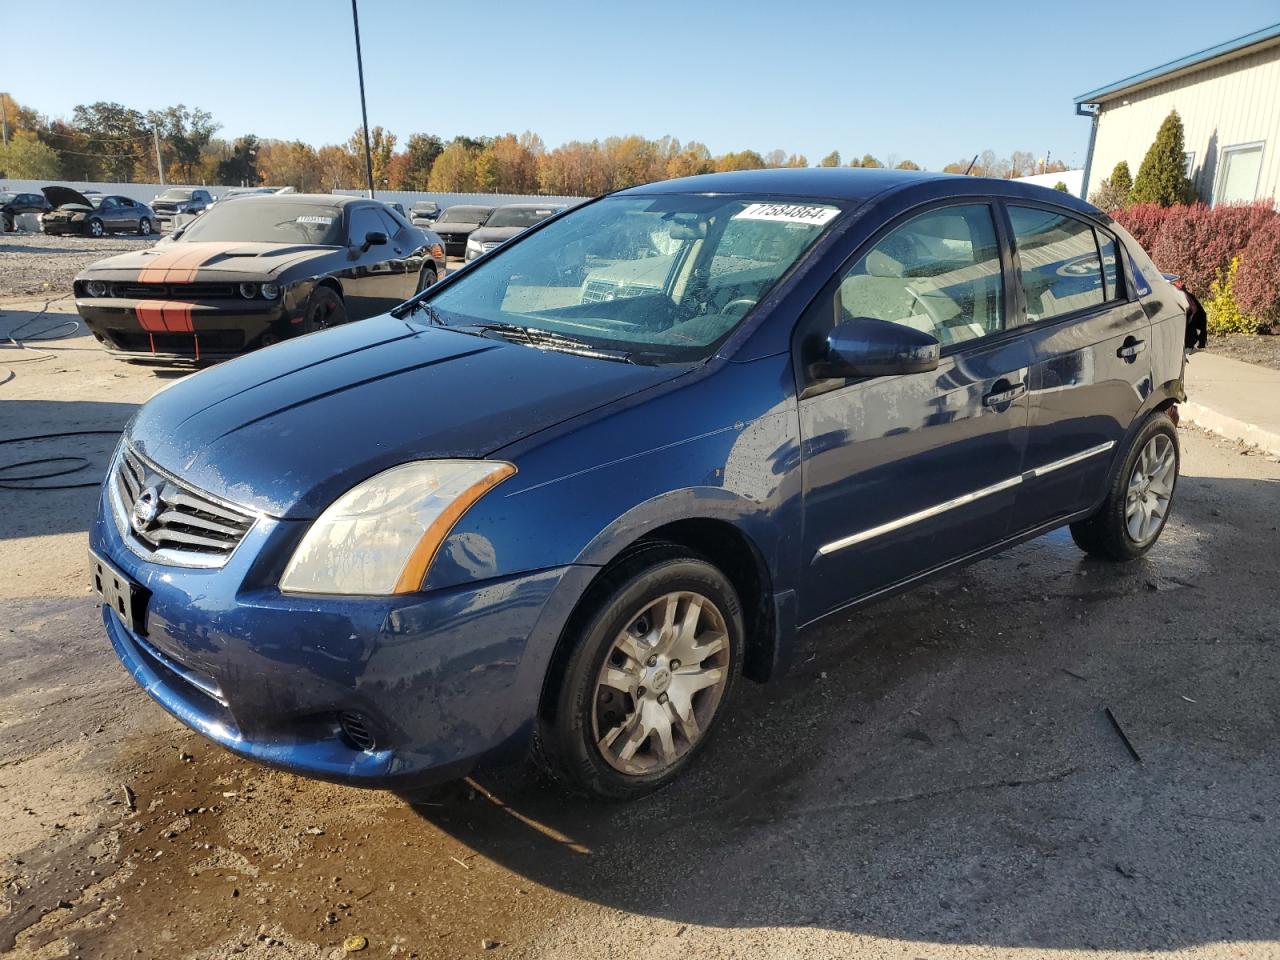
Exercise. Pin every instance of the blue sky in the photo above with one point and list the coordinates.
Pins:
(925, 80)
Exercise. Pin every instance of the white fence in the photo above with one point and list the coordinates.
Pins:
(146, 192)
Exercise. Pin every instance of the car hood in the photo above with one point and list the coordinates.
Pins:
(258, 259)
(288, 429)
(496, 233)
(59, 196)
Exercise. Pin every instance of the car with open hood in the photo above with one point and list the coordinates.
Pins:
(512, 515)
(506, 222)
(94, 215)
(253, 271)
(457, 223)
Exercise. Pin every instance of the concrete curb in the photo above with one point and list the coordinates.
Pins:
(1230, 427)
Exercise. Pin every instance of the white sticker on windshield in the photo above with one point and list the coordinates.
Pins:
(788, 213)
(322, 220)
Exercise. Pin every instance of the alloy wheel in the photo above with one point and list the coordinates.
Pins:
(1150, 489)
(661, 683)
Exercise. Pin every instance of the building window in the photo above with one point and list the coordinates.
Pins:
(1190, 158)
(1238, 173)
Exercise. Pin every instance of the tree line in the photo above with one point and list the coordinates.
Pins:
(111, 142)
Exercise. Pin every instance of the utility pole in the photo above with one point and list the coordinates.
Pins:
(364, 111)
(155, 134)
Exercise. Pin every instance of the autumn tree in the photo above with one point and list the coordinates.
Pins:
(414, 171)
(1162, 178)
(906, 165)
(690, 160)
(291, 164)
(26, 158)
(832, 159)
(241, 167)
(115, 135)
(183, 134)
(454, 170)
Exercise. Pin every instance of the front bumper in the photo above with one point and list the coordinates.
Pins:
(202, 330)
(441, 679)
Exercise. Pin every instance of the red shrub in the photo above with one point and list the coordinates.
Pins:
(1197, 242)
(1257, 284)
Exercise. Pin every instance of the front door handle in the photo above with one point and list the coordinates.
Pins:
(1131, 348)
(1008, 393)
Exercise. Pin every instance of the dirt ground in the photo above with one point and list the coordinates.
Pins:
(1251, 348)
(32, 264)
(938, 779)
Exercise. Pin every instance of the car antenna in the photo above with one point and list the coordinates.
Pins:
(971, 163)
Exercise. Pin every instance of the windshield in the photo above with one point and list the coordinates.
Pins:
(176, 195)
(425, 206)
(6, 197)
(518, 216)
(464, 215)
(664, 277)
(269, 220)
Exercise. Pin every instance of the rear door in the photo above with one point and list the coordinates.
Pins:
(903, 474)
(1092, 369)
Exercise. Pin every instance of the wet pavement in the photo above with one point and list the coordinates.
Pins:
(938, 778)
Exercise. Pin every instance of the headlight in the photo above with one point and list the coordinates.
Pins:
(473, 244)
(95, 288)
(270, 290)
(248, 290)
(77, 216)
(380, 537)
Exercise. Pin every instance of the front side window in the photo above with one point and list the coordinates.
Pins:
(364, 221)
(1060, 272)
(665, 278)
(1238, 177)
(939, 273)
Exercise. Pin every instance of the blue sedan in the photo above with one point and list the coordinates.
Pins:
(568, 496)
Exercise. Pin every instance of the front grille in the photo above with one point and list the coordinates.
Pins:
(181, 291)
(169, 522)
(357, 731)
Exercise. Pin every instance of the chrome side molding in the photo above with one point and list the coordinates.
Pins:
(965, 499)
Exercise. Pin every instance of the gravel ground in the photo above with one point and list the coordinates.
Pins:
(34, 264)
(938, 779)
(1251, 348)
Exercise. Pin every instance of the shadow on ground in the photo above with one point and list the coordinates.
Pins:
(941, 768)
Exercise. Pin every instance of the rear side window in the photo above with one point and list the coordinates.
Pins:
(1060, 272)
(938, 273)
(1112, 274)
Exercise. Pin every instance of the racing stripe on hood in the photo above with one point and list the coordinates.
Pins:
(181, 265)
(164, 316)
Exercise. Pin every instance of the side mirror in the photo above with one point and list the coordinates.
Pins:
(866, 347)
(374, 238)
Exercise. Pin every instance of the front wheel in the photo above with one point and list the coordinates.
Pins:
(324, 309)
(96, 228)
(1131, 519)
(650, 671)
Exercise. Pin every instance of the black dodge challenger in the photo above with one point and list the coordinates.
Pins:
(249, 273)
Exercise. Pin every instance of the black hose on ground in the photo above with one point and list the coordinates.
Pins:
(72, 464)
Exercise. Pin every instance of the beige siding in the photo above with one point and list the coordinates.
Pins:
(1221, 105)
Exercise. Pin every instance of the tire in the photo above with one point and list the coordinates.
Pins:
(614, 744)
(9, 223)
(325, 309)
(145, 227)
(1140, 498)
(95, 228)
(426, 277)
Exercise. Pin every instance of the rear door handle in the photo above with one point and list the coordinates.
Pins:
(1131, 348)
(1010, 393)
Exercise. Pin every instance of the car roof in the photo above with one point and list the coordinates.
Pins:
(853, 184)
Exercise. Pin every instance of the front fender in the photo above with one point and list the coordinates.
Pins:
(720, 447)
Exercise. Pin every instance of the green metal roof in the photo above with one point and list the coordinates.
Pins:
(1191, 60)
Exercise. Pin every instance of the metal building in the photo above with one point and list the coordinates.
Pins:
(1229, 99)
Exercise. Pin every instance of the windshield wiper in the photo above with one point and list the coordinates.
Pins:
(546, 339)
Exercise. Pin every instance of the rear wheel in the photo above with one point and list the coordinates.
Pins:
(427, 277)
(9, 223)
(144, 227)
(1137, 507)
(648, 676)
(95, 228)
(324, 309)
